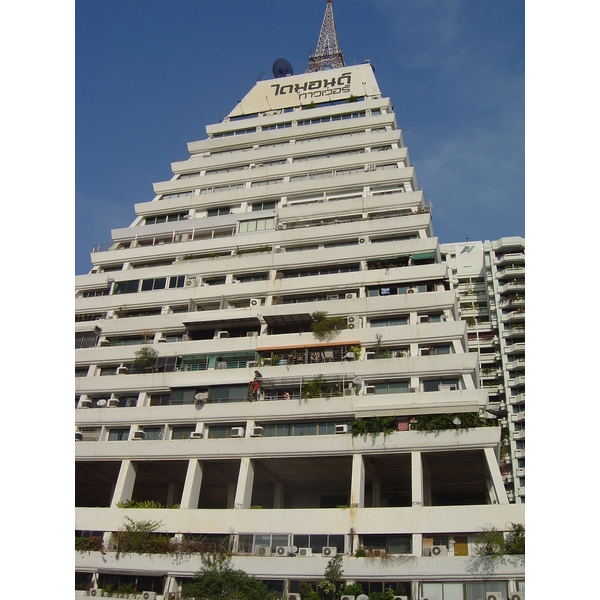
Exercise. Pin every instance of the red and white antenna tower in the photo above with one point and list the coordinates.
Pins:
(328, 54)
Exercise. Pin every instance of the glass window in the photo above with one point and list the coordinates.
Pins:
(182, 433)
(126, 287)
(118, 435)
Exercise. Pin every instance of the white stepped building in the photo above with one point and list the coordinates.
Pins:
(302, 201)
(490, 280)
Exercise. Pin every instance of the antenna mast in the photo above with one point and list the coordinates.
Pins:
(328, 54)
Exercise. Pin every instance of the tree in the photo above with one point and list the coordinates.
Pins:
(491, 542)
(325, 327)
(219, 581)
(333, 574)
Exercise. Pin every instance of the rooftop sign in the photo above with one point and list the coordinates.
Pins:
(295, 90)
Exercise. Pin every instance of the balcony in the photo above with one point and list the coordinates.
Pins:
(518, 417)
(517, 364)
(510, 258)
(514, 316)
(518, 285)
(517, 381)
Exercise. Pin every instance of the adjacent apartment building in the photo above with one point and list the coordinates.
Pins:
(271, 358)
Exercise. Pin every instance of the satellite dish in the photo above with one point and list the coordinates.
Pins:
(282, 67)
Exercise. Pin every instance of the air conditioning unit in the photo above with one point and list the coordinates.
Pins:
(281, 226)
(173, 596)
(291, 596)
(252, 334)
(257, 432)
(237, 432)
(263, 551)
(329, 551)
(400, 597)
(341, 428)
(439, 551)
(369, 389)
(412, 290)
(95, 592)
(191, 281)
(282, 550)
(517, 596)
(196, 435)
(346, 597)
(255, 302)
(493, 596)
(139, 435)
(148, 596)
(78, 436)
(304, 552)
(222, 334)
(350, 295)
(362, 240)
(378, 552)
(362, 597)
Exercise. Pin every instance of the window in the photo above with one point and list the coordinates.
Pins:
(118, 435)
(263, 206)
(220, 431)
(391, 387)
(391, 322)
(95, 293)
(182, 432)
(176, 282)
(126, 287)
(256, 225)
(159, 283)
(228, 393)
(217, 212)
(153, 433)
(176, 195)
(182, 396)
(167, 218)
(440, 385)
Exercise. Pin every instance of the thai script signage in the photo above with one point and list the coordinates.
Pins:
(316, 88)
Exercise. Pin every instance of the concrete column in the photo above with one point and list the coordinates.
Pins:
(417, 544)
(416, 478)
(125, 483)
(243, 493)
(357, 486)
(494, 470)
(193, 481)
(171, 494)
(279, 496)
(231, 495)
(376, 493)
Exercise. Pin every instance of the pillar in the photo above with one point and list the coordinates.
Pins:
(125, 482)
(243, 493)
(193, 480)
(357, 487)
(279, 496)
(416, 478)
(495, 475)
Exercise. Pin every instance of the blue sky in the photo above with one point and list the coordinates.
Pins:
(149, 76)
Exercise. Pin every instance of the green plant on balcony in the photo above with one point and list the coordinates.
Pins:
(325, 327)
(94, 543)
(491, 543)
(141, 537)
(145, 357)
(139, 504)
(470, 321)
(373, 426)
(356, 351)
(447, 421)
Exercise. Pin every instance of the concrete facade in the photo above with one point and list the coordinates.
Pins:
(302, 201)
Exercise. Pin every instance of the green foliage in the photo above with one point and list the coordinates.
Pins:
(373, 426)
(354, 589)
(332, 576)
(141, 537)
(317, 388)
(145, 357)
(515, 544)
(445, 421)
(219, 581)
(140, 504)
(471, 322)
(491, 543)
(387, 595)
(356, 351)
(91, 544)
(307, 592)
(325, 327)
